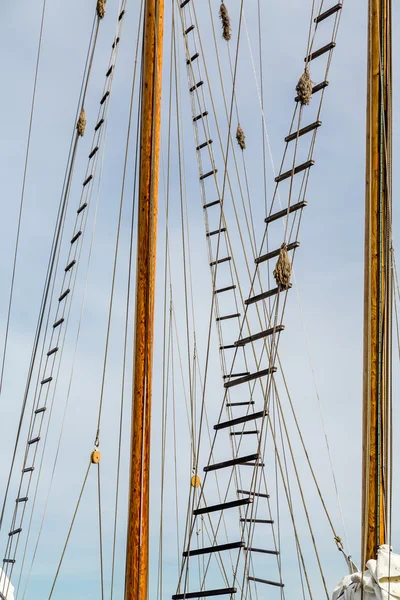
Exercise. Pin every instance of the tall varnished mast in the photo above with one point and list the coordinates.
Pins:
(378, 274)
(136, 585)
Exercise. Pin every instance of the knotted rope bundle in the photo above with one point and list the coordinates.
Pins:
(226, 22)
(81, 124)
(101, 8)
(304, 87)
(283, 269)
(240, 137)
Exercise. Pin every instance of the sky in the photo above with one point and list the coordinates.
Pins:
(327, 301)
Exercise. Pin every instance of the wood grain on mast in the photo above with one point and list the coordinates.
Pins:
(378, 273)
(136, 582)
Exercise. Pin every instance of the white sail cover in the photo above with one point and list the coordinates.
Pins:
(6, 589)
(380, 581)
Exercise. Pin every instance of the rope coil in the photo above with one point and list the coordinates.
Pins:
(304, 87)
(283, 269)
(226, 22)
(101, 8)
(241, 138)
(81, 124)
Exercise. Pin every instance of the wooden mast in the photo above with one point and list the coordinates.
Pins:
(378, 273)
(136, 582)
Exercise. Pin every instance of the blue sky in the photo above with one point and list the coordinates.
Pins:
(329, 267)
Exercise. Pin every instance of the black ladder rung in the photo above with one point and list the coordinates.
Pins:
(226, 317)
(109, 71)
(184, 3)
(258, 494)
(70, 265)
(210, 204)
(205, 175)
(93, 152)
(121, 14)
(204, 593)
(99, 124)
(259, 336)
(115, 42)
(225, 289)
(47, 380)
(15, 531)
(40, 410)
(64, 294)
(236, 374)
(104, 98)
(285, 211)
(211, 549)
(204, 144)
(76, 236)
(275, 253)
(189, 29)
(240, 403)
(223, 506)
(192, 58)
(57, 323)
(34, 441)
(265, 295)
(303, 131)
(52, 351)
(25, 499)
(228, 347)
(230, 463)
(239, 420)
(220, 261)
(216, 231)
(328, 13)
(200, 116)
(252, 432)
(266, 581)
(250, 377)
(82, 207)
(197, 85)
(262, 551)
(87, 180)
(11, 561)
(320, 51)
(316, 88)
(298, 169)
(28, 469)
(262, 521)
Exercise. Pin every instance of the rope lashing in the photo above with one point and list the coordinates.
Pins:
(241, 138)
(304, 87)
(101, 8)
(283, 269)
(81, 124)
(226, 22)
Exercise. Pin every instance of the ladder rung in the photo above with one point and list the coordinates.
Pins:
(225, 289)
(258, 580)
(228, 347)
(104, 98)
(197, 85)
(121, 14)
(268, 294)
(285, 211)
(264, 521)
(34, 441)
(252, 432)
(40, 410)
(208, 174)
(28, 469)
(228, 317)
(93, 152)
(11, 561)
(303, 131)
(87, 180)
(316, 88)
(210, 204)
(239, 420)
(25, 499)
(15, 531)
(298, 169)
(189, 29)
(209, 233)
(57, 323)
(99, 124)
(211, 549)
(259, 336)
(236, 375)
(320, 51)
(82, 207)
(70, 265)
(115, 43)
(204, 144)
(64, 294)
(184, 3)
(258, 494)
(192, 58)
(240, 403)
(224, 506)
(47, 380)
(275, 552)
(250, 377)
(275, 253)
(230, 463)
(204, 593)
(328, 13)
(76, 236)
(109, 71)
(220, 260)
(202, 115)
(52, 351)
(254, 464)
